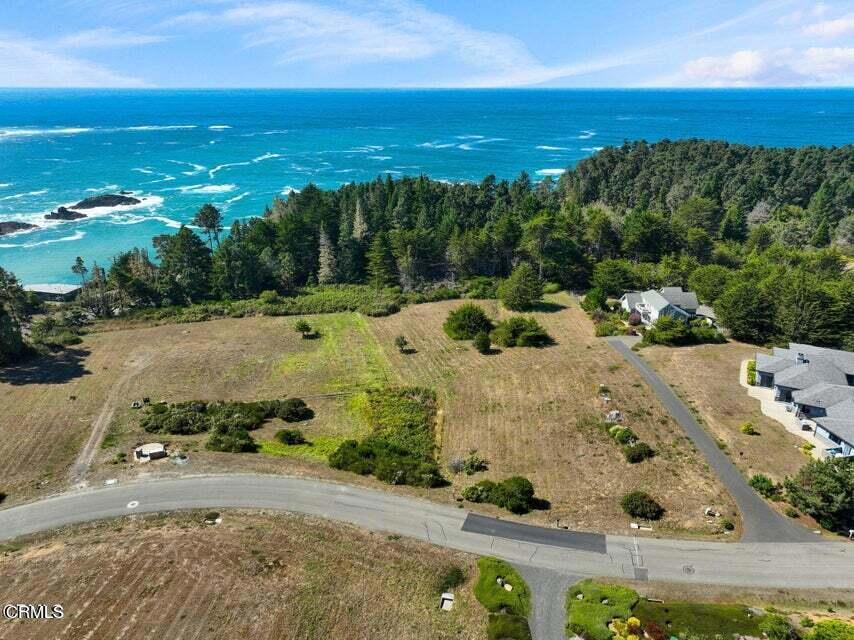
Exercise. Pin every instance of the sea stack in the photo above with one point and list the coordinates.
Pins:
(11, 226)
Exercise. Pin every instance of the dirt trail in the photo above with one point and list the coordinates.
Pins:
(133, 366)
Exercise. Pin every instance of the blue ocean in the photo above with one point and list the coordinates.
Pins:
(176, 150)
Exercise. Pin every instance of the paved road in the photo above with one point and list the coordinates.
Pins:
(828, 564)
(761, 522)
(548, 611)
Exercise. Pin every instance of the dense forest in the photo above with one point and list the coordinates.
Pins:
(759, 233)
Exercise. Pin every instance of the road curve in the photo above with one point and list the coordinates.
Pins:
(761, 522)
(746, 564)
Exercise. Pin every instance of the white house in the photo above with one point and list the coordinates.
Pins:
(669, 301)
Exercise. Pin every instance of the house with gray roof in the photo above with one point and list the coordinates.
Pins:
(668, 301)
(818, 385)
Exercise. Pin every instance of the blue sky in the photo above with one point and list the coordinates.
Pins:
(431, 43)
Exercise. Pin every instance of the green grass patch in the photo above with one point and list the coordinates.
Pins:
(600, 603)
(507, 627)
(319, 448)
(701, 620)
(493, 596)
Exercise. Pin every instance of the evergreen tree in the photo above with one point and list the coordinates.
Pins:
(185, 263)
(747, 312)
(209, 218)
(327, 265)
(734, 224)
(522, 290)
(382, 270)
(79, 268)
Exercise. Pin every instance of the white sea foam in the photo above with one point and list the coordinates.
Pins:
(145, 202)
(18, 196)
(144, 170)
(586, 134)
(237, 197)
(197, 168)
(592, 149)
(469, 146)
(436, 144)
(207, 188)
(19, 132)
(546, 147)
(379, 157)
(77, 235)
(108, 187)
(219, 127)
(3, 185)
(220, 167)
(159, 127)
(550, 172)
(136, 219)
(267, 156)
(469, 137)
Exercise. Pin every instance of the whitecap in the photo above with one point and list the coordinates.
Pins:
(207, 188)
(220, 167)
(159, 127)
(3, 185)
(379, 157)
(77, 235)
(267, 156)
(469, 137)
(469, 146)
(16, 132)
(237, 197)
(219, 127)
(546, 147)
(586, 134)
(136, 219)
(108, 187)
(550, 172)
(197, 168)
(143, 170)
(18, 196)
(436, 144)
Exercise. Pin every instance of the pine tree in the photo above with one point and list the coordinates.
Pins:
(327, 267)
(382, 270)
(360, 227)
(734, 224)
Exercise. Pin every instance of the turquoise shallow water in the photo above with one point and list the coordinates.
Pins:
(239, 149)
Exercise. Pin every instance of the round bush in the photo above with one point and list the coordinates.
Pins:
(640, 504)
(482, 342)
(290, 436)
(638, 452)
(465, 322)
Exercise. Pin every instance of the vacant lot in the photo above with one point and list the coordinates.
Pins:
(253, 576)
(530, 412)
(706, 377)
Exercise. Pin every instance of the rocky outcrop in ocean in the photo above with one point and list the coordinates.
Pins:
(64, 214)
(11, 226)
(107, 200)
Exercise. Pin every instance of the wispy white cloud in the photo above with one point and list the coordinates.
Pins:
(29, 63)
(105, 38)
(835, 28)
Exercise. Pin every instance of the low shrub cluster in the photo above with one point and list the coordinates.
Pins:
(824, 489)
(186, 418)
(401, 447)
(481, 288)
(640, 504)
(466, 321)
(677, 333)
(58, 330)
(638, 452)
(515, 494)
(751, 372)
(520, 331)
(509, 610)
(290, 436)
(608, 323)
(450, 578)
(634, 450)
(592, 606)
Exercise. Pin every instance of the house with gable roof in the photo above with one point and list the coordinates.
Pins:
(667, 301)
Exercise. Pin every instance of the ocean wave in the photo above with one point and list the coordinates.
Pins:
(136, 219)
(18, 196)
(197, 168)
(267, 156)
(19, 132)
(220, 167)
(208, 188)
(159, 127)
(145, 202)
(238, 197)
(586, 134)
(592, 149)
(546, 147)
(219, 127)
(379, 158)
(3, 185)
(144, 170)
(77, 235)
(469, 137)
(469, 146)
(436, 144)
(550, 172)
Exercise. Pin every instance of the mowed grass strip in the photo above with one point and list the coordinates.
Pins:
(494, 596)
(592, 605)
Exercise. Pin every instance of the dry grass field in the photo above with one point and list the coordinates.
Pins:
(253, 576)
(528, 411)
(706, 377)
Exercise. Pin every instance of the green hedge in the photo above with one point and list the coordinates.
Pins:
(520, 331)
(589, 616)
(493, 596)
(515, 494)
(185, 418)
(751, 372)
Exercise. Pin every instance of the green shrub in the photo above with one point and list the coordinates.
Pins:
(474, 463)
(293, 410)
(186, 418)
(401, 447)
(748, 429)
(482, 342)
(764, 486)
(777, 627)
(466, 321)
(727, 524)
(791, 512)
(507, 627)
(522, 290)
(401, 343)
(482, 288)
(302, 327)
(516, 494)
(640, 504)
(231, 439)
(590, 615)
(622, 435)
(493, 596)
(451, 577)
(594, 299)
(675, 332)
(552, 287)
(520, 331)
(825, 490)
(290, 436)
(751, 372)
(832, 630)
(638, 452)
(269, 297)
